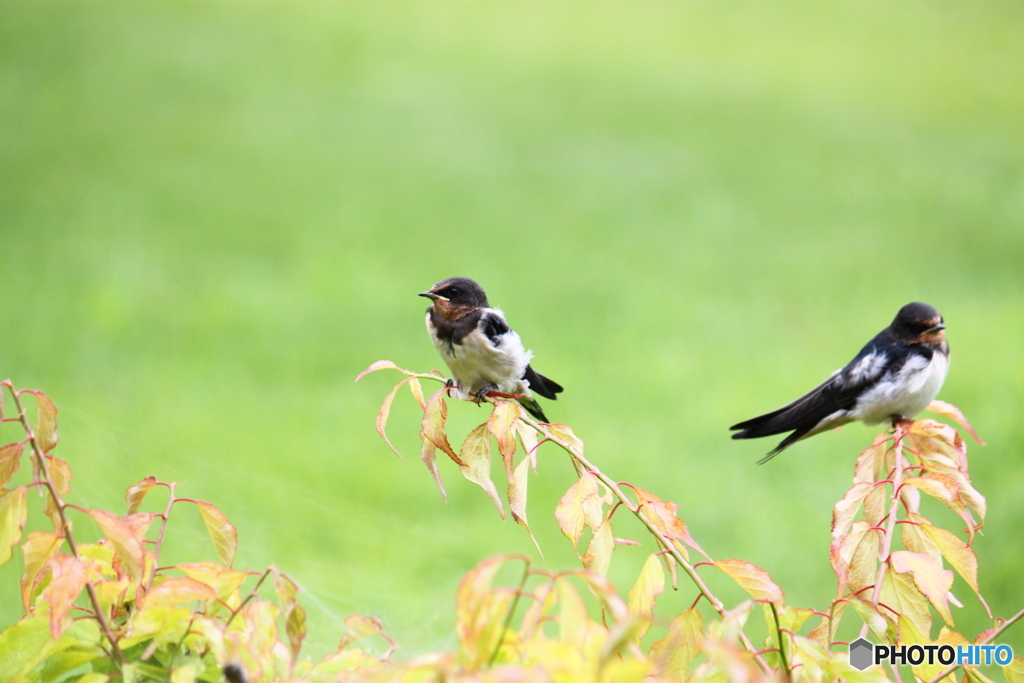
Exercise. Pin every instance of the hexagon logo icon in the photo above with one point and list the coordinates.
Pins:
(861, 654)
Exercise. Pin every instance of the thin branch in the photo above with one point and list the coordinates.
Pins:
(665, 543)
(511, 611)
(59, 504)
(160, 537)
(782, 645)
(250, 596)
(992, 636)
(897, 483)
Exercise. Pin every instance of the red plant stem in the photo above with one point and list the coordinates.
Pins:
(897, 483)
(160, 538)
(59, 504)
(716, 604)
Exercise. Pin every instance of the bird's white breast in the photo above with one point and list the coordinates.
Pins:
(477, 362)
(905, 392)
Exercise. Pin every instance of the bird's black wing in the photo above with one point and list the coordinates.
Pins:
(494, 326)
(838, 392)
(542, 385)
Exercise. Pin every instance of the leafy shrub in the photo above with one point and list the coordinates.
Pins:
(106, 610)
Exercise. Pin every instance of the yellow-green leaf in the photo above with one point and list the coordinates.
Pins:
(846, 509)
(224, 535)
(957, 553)
(137, 492)
(501, 424)
(417, 392)
(37, 550)
(1014, 671)
(127, 544)
(901, 594)
(432, 428)
(930, 578)
(46, 428)
(649, 585)
(579, 506)
(565, 434)
(476, 463)
(10, 459)
(13, 515)
(673, 654)
(176, 590)
(295, 629)
(598, 557)
(752, 579)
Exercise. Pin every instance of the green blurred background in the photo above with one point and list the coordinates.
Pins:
(213, 215)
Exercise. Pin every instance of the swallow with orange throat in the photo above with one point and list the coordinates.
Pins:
(894, 378)
(482, 352)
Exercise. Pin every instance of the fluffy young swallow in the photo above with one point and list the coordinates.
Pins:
(481, 352)
(894, 377)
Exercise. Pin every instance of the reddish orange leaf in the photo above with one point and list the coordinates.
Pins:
(649, 585)
(953, 413)
(46, 428)
(67, 579)
(10, 459)
(930, 578)
(224, 536)
(137, 492)
(434, 417)
(501, 424)
(476, 459)
(662, 514)
(13, 515)
(37, 550)
(176, 590)
(752, 579)
(122, 536)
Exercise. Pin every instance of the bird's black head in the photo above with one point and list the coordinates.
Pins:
(456, 296)
(918, 323)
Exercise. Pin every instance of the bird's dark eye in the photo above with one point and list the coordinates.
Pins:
(454, 291)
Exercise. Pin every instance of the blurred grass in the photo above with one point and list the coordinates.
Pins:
(213, 215)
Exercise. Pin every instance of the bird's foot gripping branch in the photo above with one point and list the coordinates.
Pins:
(893, 591)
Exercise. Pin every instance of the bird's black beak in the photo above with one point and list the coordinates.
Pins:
(432, 296)
(936, 328)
